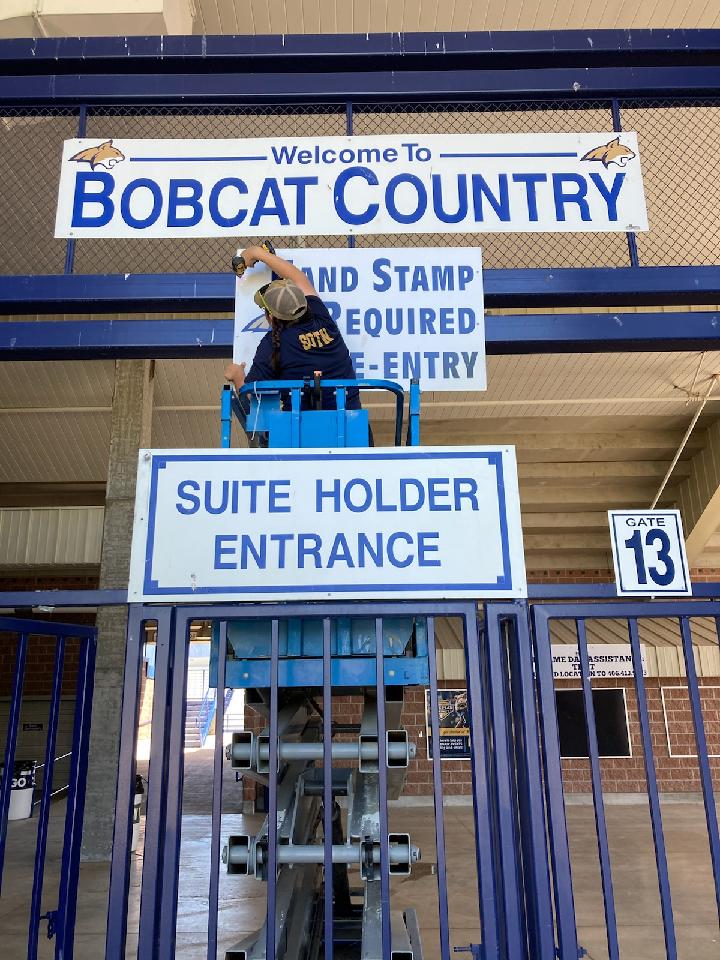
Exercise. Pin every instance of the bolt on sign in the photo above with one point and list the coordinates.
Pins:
(305, 524)
(528, 183)
(404, 313)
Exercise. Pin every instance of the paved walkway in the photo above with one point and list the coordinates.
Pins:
(242, 899)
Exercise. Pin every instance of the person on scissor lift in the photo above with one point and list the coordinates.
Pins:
(303, 338)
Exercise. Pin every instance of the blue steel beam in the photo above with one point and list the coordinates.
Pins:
(391, 65)
(526, 288)
(576, 83)
(163, 339)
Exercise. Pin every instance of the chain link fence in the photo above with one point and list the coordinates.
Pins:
(679, 144)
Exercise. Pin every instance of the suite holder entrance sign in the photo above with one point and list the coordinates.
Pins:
(437, 522)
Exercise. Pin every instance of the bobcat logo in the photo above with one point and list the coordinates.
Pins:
(258, 324)
(104, 155)
(612, 152)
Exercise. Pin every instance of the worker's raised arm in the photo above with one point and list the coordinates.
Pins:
(283, 268)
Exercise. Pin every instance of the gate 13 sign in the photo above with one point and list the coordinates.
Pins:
(315, 186)
(307, 525)
(649, 553)
(404, 313)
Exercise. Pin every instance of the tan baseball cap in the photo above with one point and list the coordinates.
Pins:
(283, 299)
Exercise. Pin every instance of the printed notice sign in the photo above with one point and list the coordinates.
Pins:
(454, 725)
(307, 524)
(607, 660)
(320, 186)
(404, 313)
(649, 553)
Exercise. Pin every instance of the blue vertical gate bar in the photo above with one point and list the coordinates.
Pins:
(382, 789)
(70, 867)
(122, 833)
(156, 935)
(217, 795)
(653, 796)
(529, 782)
(327, 790)
(552, 771)
(175, 735)
(598, 804)
(11, 742)
(508, 866)
(484, 848)
(438, 794)
(270, 939)
(44, 812)
(706, 778)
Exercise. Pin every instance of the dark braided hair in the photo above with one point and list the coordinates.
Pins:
(276, 328)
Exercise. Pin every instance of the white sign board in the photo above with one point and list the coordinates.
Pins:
(403, 313)
(306, 524)
(607, 660)
(649, 553)
(316, 186)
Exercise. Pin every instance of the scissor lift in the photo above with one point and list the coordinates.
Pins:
(275, 414)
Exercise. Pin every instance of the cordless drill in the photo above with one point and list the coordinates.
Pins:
(238, 263)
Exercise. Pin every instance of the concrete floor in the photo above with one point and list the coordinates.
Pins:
(242, 899)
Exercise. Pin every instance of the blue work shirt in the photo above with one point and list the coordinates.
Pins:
(314, 343)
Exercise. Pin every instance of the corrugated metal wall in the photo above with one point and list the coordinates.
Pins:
(45, 536)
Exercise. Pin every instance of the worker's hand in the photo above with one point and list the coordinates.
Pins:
(235, 373)
(251, 255)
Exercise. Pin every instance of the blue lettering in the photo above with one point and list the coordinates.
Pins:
(465, 275)
(222, 506)
(277, 209)
(530, 180)
(192, 202)
(341, 209)
(183, 494)
(340, 552)
(332, 495)
(142, 183)
(214, 202)
(609, 196)
(247, 547)
(465, 488)
(309, 545)
(443, 278)
(462, 202)
(392, 557)
(500, 204)
(283, 154)
(406, 486)
(438, 488)
(83, 196)
(301, 184)
(282, 540)
(425, 547)
(352, 320)
(466, 320)
(277, 495)
(375, 553)
(222, 551)
(391, 189)
(563, 197)
(253, 486)
(365, 488)
(382, 272)
(348, 279)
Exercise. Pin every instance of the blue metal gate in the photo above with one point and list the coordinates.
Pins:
(627, 617)
(524, 889)
(72, 644)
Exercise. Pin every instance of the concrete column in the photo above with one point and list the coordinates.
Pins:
(131, 424)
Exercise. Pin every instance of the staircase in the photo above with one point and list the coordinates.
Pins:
(192, 731)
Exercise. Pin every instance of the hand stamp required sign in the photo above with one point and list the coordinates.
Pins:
(649, 553)
(404, 313)
(306, 525)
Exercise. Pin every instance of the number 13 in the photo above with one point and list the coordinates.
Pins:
(652, 537)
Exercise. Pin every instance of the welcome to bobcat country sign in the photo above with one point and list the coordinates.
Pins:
(351, 185)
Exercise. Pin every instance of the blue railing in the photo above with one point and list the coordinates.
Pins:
(61, 920)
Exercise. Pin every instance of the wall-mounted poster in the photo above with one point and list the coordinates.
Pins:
(454, 725)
